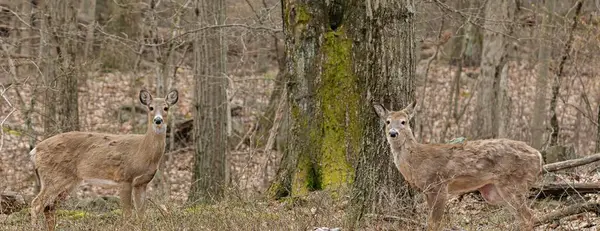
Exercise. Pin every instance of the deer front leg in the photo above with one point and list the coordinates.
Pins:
(139, 197)
(125, 195)
(436, 201)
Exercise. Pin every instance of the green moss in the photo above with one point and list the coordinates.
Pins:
(72, 214)
(302, 14)
(303, 179)
(340, 107)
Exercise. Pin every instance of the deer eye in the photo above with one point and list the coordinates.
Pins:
(166, 108)
(151, 108)
(387, 122)
(402, 122)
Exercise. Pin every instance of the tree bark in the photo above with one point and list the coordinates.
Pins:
(598, 131)
(64, 26)
(341, 58)
(57, 55)
(210, 122)
(386, 65)
(323, 103)
(539, 107)
(492, 99)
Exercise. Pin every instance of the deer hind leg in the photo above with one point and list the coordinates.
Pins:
(436, 201)
(516, 201)
(47, 199)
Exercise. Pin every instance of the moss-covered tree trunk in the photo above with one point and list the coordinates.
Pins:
(341, 57)
(324, 101)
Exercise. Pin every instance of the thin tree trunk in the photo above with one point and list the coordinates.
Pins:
(492, 100)
(598, 132)
(539, 106)
(210, 122)
(64, 26)
(558, 75)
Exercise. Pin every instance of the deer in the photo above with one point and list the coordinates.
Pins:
(502, 170)
(129, 162)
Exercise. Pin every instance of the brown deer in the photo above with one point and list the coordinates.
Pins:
(502, 170)
(62, 162)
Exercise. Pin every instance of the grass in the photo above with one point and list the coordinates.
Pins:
(318, 209)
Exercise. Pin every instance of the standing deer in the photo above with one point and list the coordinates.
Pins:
(501, 170)
(63, 161)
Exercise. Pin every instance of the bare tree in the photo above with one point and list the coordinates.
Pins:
(210, 96)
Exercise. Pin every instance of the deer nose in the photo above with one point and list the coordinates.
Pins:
(393, 133)
(158, 120)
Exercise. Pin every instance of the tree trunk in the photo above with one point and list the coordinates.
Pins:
(323, 99)
(210, 122)
(385, 63)
(539, 107)
(466, 47)
(342, 57)
(598, 131)
(492, 99)
(57, 55)
(64, 27)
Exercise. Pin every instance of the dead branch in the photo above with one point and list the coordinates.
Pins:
(560, 189)
(569, 211)
(571, 163)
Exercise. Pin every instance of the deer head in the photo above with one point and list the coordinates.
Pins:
(158, 109)
(397, 126)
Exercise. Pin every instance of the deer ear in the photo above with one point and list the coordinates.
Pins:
(145, 97)
(411, 109)
(172, 97)
(381, 111)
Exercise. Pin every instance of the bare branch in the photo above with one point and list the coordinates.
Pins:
(571, 163)
(568, 211)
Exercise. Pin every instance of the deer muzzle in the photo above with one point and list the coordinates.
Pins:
(158, 120)
(393, 132)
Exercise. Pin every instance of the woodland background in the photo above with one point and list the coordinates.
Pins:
(274, 127)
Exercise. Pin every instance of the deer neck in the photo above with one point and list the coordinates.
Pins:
(152, 146)
(403, 147)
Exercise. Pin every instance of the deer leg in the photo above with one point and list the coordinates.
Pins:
(517, 203)
(59, 188)
(436, 201)
(37, 204)
(139, 197)
(125, 195)
(50, 215)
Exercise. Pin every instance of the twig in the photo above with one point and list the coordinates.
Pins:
(469, 20)
(13, 109)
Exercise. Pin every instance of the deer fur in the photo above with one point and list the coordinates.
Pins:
(62, 162)
(502, 170)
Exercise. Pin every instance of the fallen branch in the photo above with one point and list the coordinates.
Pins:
(569, 211)
(562, 189)
(571, 163)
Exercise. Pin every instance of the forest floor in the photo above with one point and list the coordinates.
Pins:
(95, 208)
